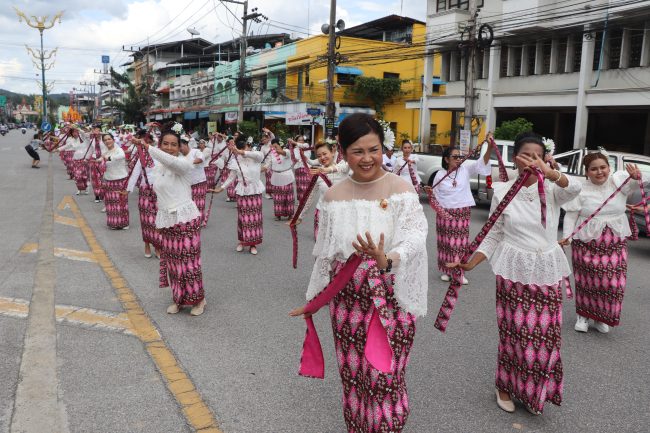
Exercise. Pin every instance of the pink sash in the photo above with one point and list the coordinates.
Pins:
(301, 207)
(451, 297)
(377, 351)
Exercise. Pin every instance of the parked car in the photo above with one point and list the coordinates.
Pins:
(571, 165)
(429, 163)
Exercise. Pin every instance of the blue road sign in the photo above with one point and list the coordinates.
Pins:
(313, 111)
(105, 59)
(45, 126)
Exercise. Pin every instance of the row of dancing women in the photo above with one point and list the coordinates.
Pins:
(371, 265)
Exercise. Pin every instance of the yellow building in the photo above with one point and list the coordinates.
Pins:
(286, 81)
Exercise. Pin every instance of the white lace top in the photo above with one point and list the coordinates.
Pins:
(78, 146)
(282, 172)
(352, 208)
(518, 247)
(459, 196)
(197, 174)
(342, 172)
(173, 188)
(116, 167)
(404, 173)
(251, 165)
(136, 173)
(612, 215)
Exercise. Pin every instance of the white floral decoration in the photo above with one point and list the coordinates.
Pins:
(330, 141)
(603, 152)
(389, 135)
(177, 128)
(549, 144)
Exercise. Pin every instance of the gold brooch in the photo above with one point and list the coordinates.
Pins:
(383, 203)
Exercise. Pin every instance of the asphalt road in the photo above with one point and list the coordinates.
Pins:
(242, 355)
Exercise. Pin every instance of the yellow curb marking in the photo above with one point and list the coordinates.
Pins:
(196, 412)
(64, 253)
(65, 220)
(68, 314)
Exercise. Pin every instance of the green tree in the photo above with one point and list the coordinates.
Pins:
(509, 129)
(249, 128)
(378, 90)
(134, 103)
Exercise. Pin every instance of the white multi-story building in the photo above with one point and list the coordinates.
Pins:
(579, 70)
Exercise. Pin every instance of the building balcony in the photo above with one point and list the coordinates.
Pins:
(445, 23)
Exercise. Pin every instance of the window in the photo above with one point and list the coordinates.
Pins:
(546, 63)
(307, 75)
(345, 79)
(517, 62)
(443, 5)
(433, 132)
(391, 75)
(597, 50)
(478, 62)
(561, 56)
(504, 61)
(577, 57)
(636, 44)
(532, 54)
(615, 42)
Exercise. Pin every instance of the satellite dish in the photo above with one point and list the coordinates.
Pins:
(193, 32)
(340, 24)
(325, 28)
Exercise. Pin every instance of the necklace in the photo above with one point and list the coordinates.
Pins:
(383, 202)
(453, 179)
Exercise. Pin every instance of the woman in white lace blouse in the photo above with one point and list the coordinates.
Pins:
(600, 248)
(179, 222)
(530, 267)
(375, 217)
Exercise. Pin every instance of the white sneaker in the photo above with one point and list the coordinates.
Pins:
(268, 197)
(78, 192)
(253, 251)
(445, 277)
(582, 324)
(84, 192)
(125, 228)
(239, 248)
(601, 327)
(173, 309)
(465, 281)
(103, 210)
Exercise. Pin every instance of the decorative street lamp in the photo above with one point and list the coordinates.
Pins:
(40, 24)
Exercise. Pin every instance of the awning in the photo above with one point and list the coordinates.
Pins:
(435, 81)
(348, 70)
(190, 115)
(204, 114)
(163, 90)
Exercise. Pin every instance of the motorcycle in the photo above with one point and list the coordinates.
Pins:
(23, 130)
(3, 132)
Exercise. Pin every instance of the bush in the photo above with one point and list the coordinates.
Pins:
(250, 128)
(509, 129)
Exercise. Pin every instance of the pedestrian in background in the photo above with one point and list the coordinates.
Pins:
(32, 148)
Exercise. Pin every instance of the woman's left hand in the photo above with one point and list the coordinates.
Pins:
(369, 247)
(633, 171)
(300, 311)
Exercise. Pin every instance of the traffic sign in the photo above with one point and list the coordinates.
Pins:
(313, 111)
(105, 59)
(45, 126)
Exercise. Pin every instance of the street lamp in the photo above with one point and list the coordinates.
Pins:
(40, 24)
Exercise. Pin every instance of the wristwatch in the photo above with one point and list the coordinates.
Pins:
(389, 267)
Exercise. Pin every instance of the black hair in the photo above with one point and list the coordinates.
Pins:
(104, 134)
(528, 137)
(406, 141)
(143, 133)
(241, 143)
(275, 141)
(447, 154)
(355, 126)
(167, 130)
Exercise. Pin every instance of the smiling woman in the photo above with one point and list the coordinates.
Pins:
(371, 267)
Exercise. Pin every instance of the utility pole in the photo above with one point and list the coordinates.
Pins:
(330, 109)
(40, 24)
(255, 16)
(470, 50)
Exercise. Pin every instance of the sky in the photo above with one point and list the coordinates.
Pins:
(91, 28)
